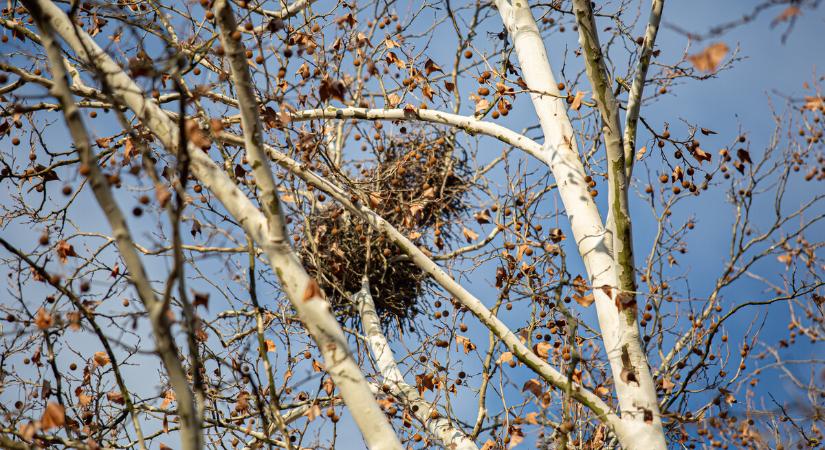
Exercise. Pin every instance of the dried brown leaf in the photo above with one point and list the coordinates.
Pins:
(43, 319)
(101, 359)
(710, 57)
(577, 101)
(53, 416)
(469, 234)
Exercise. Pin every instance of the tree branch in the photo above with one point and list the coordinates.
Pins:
(190, 420)
(621, 339)
(440, 428)
(634, 99)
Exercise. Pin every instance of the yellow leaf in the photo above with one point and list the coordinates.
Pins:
(270, 346)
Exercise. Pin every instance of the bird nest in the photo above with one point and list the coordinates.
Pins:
(417, 184)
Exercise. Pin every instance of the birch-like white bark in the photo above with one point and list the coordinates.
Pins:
(468, 124)
(641, 421)
(285, 13)
(440, 427)
(307, 299)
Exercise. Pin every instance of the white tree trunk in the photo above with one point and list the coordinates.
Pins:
(641, 419)
(440, 427)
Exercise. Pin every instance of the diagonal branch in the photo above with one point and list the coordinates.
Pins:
(469, 124)
(634, 99)
(189, 418)
(440, 427)
(302, 291)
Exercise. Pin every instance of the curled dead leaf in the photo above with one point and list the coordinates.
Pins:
(115, 397)
(700, 155)
(534, 386)
(313, 412)
(430, 67)
(465, 343)
(168, 398)
(196, 136)
(542, 349)
(668, 385)
(64, 251)
(516, 436)
(393, 100)
(162, 195)
(504, 358)
(641, 153)
(482, 216)
(787, 14)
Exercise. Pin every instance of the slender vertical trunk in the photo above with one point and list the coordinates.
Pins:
(620, 333)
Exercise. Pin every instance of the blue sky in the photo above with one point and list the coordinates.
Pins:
(735, 101)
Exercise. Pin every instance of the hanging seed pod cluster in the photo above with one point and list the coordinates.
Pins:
(417, 183)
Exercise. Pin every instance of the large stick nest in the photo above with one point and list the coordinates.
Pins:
(417, 184)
